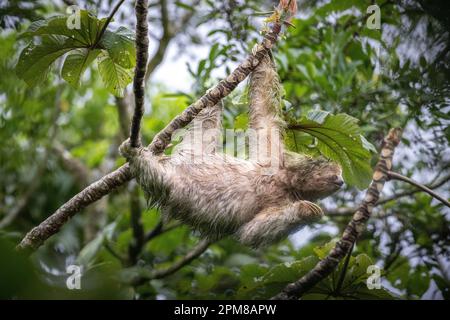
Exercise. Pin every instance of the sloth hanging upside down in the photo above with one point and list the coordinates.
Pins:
(260, 200)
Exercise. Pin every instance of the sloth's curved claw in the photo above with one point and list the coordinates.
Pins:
(310, 210)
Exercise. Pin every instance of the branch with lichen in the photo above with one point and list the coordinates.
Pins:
(354, 228)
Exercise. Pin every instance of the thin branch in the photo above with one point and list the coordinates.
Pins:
(107, 22)
(185, 260)
(354, 228)
(36, 237)
(137, 243)
(159, 230)
(344, 270)
(397, 176)
(348, 211)
(41, 167)
(139, 70)
(156, 231)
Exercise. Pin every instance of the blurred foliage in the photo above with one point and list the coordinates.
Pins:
(329, 63)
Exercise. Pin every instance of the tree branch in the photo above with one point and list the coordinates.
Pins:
(107, 22)
(348, 211)
(354, 228)
(188, 258)
(136, 225)
(397, 176)
(139, 70)
(36, 237)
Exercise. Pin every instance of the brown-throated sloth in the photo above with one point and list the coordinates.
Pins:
(259, 200)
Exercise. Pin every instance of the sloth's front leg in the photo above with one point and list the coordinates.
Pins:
(275, 223)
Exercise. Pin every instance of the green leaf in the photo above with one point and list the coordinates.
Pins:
(114, 76)
(35, 60)
(120, 47)
(76, 63)
(86, 35)
(241, 121)
(59, 35)
(338, 137)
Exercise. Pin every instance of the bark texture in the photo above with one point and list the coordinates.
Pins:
(139, 70)
(36, 237)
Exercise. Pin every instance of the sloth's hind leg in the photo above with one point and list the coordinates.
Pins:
(273, 224)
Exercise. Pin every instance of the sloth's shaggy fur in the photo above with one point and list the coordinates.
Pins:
(221, 195)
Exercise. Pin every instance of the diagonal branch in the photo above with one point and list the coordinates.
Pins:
(36, 237)
(433, 185)
(397, 176)
(354, 228)
(188, 258)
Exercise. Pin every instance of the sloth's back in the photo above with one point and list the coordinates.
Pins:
(216, 192)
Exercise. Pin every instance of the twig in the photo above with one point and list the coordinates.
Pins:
(354, 228)
(349, 211)
(188, 258)
(139, 70)
(397, 176)
(36, 237)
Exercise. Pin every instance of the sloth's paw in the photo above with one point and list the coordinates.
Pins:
(127, 150)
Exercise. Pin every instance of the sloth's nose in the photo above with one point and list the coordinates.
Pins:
(337, 180)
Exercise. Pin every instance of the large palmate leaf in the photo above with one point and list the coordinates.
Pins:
(337, 137)
(114, 76)
(60, 35)
(76, 63)
(120, 46)
(85, 35)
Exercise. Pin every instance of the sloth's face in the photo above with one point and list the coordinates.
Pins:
(324, 178)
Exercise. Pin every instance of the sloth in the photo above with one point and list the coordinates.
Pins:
(259, 200)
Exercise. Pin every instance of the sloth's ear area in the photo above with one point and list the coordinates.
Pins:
(127, 151)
